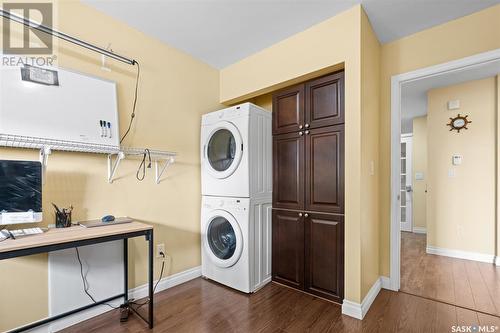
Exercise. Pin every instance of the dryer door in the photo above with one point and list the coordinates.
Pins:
(223, 240)
(223, 150)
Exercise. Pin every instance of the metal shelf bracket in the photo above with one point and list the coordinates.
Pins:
(113, 166)
(160, 169)
(45, 151)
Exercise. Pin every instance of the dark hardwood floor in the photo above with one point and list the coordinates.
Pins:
(471, 284)
(205, 306)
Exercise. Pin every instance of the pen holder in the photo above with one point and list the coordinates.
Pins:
(63, 220)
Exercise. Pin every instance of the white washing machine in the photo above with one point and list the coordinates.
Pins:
(236, 152)
(236, 242)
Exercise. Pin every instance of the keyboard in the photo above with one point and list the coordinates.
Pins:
(26, 232)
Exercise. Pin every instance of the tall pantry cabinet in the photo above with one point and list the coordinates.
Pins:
(308, 186)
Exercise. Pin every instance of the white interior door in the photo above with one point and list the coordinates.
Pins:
(406, 191)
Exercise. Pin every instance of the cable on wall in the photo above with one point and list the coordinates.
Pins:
(86, 285)
(142, 166)
(132, 115)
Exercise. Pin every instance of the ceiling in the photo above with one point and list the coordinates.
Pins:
(414, 93)
(222, 32)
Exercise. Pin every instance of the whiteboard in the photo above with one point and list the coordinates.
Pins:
(71, 111)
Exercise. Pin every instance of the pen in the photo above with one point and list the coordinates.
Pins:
(57, 208)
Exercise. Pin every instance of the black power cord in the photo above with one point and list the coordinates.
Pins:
(142, 166)
(124, 307)
(139, 305)
(86, 285)
(132, 115)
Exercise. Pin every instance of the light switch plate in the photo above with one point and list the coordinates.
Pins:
(454, 104)
(419, 176)
(456, 159)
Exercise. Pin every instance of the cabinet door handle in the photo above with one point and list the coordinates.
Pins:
(306, 132)
(301, 133)
(306, 125)
(300, 126)
(300, 214)
(306, 215)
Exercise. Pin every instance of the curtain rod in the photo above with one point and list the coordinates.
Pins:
(63, 36)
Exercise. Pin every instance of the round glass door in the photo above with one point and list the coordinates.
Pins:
(223, 150)
(223, 239)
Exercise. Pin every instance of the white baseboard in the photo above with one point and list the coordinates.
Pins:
(419, 230)
(167, 282)
(482, 257)
(358, 311)
(497, 261)
(386, 282)
(136, 293)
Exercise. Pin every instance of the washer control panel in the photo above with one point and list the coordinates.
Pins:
(225, 203)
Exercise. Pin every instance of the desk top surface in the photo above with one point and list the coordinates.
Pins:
(72, 234)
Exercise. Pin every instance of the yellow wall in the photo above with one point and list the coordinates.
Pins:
(419, 165)
(345, 40)
(370, 96)
(461, 209)
(476, 33)
(175, 90)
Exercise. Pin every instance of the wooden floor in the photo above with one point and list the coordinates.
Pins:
(465, 283)
(204, 306)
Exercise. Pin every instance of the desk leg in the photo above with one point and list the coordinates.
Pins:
(125, 269)
(151, 258)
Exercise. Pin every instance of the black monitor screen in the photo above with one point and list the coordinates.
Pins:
(20, 186)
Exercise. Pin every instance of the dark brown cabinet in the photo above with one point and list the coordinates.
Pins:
(288, 235)
(288, 171)
(308, 186)
(325, 101)
(324, 253)
(288, 110)
(324, 174)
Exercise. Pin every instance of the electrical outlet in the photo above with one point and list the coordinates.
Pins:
(159, 249)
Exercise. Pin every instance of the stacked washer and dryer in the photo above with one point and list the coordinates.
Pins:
(236, 177)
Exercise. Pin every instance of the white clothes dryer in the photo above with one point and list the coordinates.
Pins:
(236, 152)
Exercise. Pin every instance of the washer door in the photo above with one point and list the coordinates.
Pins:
(223, 239)
(223, 150)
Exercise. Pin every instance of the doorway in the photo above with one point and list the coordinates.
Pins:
(435, 261)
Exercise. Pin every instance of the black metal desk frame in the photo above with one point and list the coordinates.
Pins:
(73, 244)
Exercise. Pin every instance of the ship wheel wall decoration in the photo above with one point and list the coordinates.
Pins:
(458, 123)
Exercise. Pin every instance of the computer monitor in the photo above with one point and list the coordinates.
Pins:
(20, 192)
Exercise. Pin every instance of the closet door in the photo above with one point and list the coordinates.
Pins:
(325, 101)
(324, 255)
(288, 248)
(288, 171)
(324, 163)
(288, 110)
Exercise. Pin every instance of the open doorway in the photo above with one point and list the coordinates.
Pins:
(446, 204)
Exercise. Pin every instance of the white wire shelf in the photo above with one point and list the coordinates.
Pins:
(17, 141)
(161, 159)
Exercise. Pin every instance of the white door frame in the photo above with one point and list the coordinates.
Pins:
(397, 81)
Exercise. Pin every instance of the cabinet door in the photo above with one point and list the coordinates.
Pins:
(324, 188)
(288, 248)
(324, 256)
(288, 171)
(288, 110)
(325, 101)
